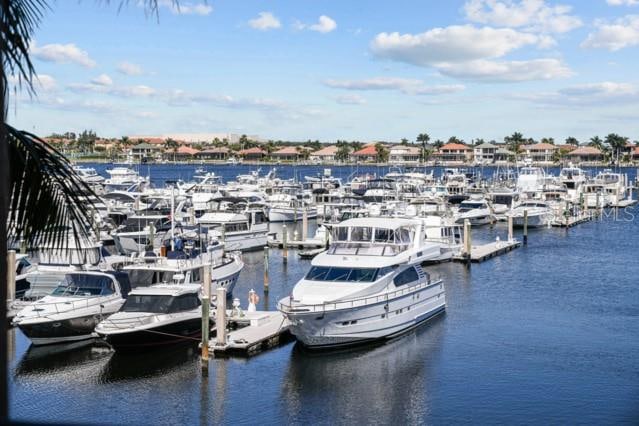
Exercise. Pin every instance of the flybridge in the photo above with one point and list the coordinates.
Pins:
(373, 237)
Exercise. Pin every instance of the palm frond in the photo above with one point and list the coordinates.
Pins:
(48, 201)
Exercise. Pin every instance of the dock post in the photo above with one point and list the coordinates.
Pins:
(11, 275)
(285, 245)
(304, 225)
(192, 215)
(206, 305)
(152, 237)
(567, 214)
(598, 211)
(266, 269)
(295, 235)
(467, 240)
(510, 229)
(220, 317)
(525, 227)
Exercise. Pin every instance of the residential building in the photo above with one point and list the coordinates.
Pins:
(145, 150)
(485, 153)
(325, 155)
(540, 152)
(366, 154)
(253, 154)
(454, 152)
(404, 154)
(585, 154)
(221, 153)
(287, 153)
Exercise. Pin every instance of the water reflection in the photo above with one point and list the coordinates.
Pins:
(61, 359)
(385, 384)
(135, 365)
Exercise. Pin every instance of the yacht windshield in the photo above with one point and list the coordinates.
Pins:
(157, 304)
(84, 285)
(324, 273)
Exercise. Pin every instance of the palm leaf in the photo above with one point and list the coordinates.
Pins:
(48, 201)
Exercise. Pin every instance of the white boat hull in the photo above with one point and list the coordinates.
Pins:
(277, 214)
(382, 320)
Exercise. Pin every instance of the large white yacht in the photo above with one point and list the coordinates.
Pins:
(573, 178)
(539, 214)
(531, 179)
(476, 210)
(368, 285)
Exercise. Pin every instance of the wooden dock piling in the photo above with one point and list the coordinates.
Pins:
(304, 225)
(510, 228)
(11, 275)
(468, 247)
(266, 283)
(285, 245)
(206, 305)
(525, 227)
(220, 317)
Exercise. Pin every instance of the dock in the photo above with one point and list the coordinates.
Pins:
(299, 244)
(570, 221)
(480, 253)
(252, 332)
(625, 203)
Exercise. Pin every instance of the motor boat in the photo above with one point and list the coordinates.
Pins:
(539, 214)
(71, 312)
(241, 225)
(573, 178)
(369, 285)
(157, 315)
(122, 179)
(530, 179)
(476, 211)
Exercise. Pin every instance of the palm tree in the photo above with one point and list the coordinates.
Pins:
(382, 153)
(572, 141)
(617, 144)
(423, 138)
(39, 192)
(514, 141)
(596, 142)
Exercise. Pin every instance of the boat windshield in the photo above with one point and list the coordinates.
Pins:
(465, 207)
(157, 304)
(84, 285)
(325, 273)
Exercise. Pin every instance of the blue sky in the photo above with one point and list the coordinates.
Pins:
(365, 70)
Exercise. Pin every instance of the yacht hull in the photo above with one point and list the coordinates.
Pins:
(59, 331)
(167, 334)
(378, 321)
(245, 241)
(289, 215)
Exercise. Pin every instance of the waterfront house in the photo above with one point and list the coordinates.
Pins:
(220, 153)
(185, 153)
(540, 152)
(502, 155)
(145, 150)
(325, 155)
(253, 154)
(287, 153)
(485, 153)
(454, 153)
(366, 154)
(635, 154)
(585, 154)
(404, 154)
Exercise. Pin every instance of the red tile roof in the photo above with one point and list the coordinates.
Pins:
(187, 150)
(540, 146)
(287, 150)
(586, 150)
(366, 151)
(328, 150)
(254, 150)
(454, 147)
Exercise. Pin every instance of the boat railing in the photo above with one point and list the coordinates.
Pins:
(366, 248)
(296, 307)
(41, 310)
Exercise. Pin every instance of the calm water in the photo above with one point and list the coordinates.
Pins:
(548, 333)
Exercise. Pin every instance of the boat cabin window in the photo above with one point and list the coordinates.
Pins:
(147, 277)
(152, 303)
(325, 273)
(236, 227)
(84, 285)
(384, 235)
(186, 302)
(465, 207)
(407, 276)
(259, 217)
(361, 233)
(341, 233)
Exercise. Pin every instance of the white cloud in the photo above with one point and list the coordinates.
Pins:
(140, 91)
(102, 80)
(450, 44)
(46, 83)
(129, 68)
(623, 32)
(404, 85)
(265, 21)
(350, 100)
(324, 25)
(532, 15)
(506, 71)
(145, 114)
(601, 94)
(623, 2)
(62, 53)
(186, 8)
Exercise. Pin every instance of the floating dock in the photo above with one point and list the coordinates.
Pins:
(253, 332)
(484, 252)
(303, 244)
(625, 203)
(571, 221)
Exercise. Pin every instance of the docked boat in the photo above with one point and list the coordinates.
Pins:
(539, 214)
(71, 312)
(475, 210)
(122, 179)
(369, 285)
(573, 178)
(157, 315)
(240, 224)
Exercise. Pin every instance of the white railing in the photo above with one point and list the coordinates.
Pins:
(293, 306)
(41, 308)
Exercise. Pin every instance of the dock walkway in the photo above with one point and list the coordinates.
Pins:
(255, 331)
(480, 253)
